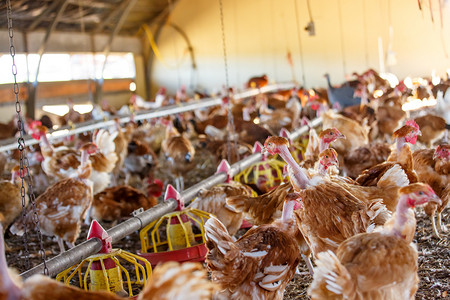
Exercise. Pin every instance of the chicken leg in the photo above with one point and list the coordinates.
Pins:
(61, 245)
(308, 262)
(435, 231)
(441, 227)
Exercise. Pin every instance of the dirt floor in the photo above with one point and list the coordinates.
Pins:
(434, 260)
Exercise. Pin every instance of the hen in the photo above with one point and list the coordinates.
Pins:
(10, 199)
(355, 134)
(432, 127)
(257, 82)
(62, 161)
(63, 206)
(365, 157)
(179, 152)
(401, 155)
(214, 201)
(433, 167)
(260, 264)
(378, 265)
(115, 203)
(330, 213)
(139, 161)
(121, 148)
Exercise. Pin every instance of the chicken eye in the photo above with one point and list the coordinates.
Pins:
(326, 156)
(421, 193)
(331, 133)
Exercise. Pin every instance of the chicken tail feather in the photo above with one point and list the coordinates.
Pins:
(395, 176)
(331, 278)
(179, 281)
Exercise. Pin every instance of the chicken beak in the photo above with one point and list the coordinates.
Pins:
(341, 136)
(435, 199)
(435, 155)
(419, 132)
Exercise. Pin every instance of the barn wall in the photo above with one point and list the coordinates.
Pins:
(259, 33)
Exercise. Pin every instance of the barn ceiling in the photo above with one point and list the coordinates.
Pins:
(89, 16)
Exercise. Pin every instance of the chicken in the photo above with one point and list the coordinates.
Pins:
(170, 280)
(406, 134)
(10, 198)
(214, 200)
(355, 134)
(260, 264)
(139, 161)
(115, 203)
(72, 116)
(331, 213)
(365, 157)
(173, 280)
(62, 161)
(389, 119)
(432, 127)
(377, 265)
(179, 152)
(64, 205)
(433, 167)
(257, 82)
(104, 160)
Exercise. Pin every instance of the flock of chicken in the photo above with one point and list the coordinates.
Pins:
(347, 222)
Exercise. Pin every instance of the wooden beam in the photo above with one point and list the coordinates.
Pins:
(44, 14)
(111, 15)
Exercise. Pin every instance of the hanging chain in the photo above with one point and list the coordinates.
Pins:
(23, 159)
(232, 128)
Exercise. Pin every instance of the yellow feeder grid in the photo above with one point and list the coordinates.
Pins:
(108, 278)
(178, 235)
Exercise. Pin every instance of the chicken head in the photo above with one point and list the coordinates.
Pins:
(442, 152)
(419, 194)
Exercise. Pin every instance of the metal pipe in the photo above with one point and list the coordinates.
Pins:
(87, 248)
(11, 144)
(75, 255)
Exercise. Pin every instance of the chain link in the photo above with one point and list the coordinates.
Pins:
(231, 127)
(23, 160)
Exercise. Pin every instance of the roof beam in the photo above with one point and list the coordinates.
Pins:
(44, 14)
(122, 7)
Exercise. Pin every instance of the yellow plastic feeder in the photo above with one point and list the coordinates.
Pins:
(179, 243)
(104, 270)
(267, 174)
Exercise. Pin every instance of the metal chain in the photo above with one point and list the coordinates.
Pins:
(23, 160)
(232, 128)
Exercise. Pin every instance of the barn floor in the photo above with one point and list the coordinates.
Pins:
(434, 259)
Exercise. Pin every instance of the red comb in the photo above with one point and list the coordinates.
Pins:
(413, 124)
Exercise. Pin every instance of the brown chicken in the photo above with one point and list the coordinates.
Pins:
(214, 199)
(62, 162)
(173, 280)
(139, 162)
(378, 265)
(330, 213)
(355, 134)
(389, 119)
(115, 203)
(432, 128)
(433, 167)
(257, 82)
(10, 199)
(64, 205)
(179, 152)
(365, 157)
(260, 264)
(404, 135)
